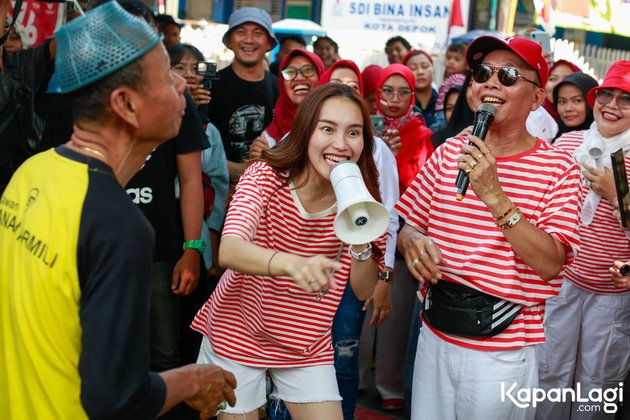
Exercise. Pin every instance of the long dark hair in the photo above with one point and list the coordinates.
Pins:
(290, 157)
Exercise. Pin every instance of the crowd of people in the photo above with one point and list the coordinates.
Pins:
(167, 240)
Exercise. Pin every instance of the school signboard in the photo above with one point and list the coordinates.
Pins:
(404, 17)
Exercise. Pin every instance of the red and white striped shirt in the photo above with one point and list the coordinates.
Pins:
(544, 183)
(270, 321)
(602, 241)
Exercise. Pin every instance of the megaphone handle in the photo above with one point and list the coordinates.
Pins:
(323, 292)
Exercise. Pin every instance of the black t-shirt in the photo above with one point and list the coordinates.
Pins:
(153, 188)
(241, 110)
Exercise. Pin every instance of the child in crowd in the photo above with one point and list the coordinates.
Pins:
(454, 73)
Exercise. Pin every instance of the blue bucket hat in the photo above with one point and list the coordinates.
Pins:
(254, 15)
(93, 46)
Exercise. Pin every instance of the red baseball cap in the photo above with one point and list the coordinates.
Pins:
(525, 48)
(617, 77)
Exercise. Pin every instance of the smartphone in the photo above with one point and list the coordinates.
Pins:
(621, 184)
(544, 39)
(378, 125)
(208, 70)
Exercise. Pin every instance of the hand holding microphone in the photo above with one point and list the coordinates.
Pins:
(483, 119)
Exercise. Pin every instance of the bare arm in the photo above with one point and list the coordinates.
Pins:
(236, 169)
(186, 272)
(311, 274)
(363, 275)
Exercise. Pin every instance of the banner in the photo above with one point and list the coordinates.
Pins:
(403, 17)
(39, 19)
(608, 16)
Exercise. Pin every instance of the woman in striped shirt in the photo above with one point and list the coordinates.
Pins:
(273, 308)
(588, 325)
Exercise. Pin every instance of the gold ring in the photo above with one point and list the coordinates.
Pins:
(467, 171)
(414, 262)
(421, 253)
(479, 156)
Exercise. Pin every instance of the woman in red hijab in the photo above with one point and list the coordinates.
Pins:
(299, 73)
(404, 132)
(370, 77)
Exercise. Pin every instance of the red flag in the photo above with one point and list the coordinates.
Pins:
(456, 14)
(456, 26)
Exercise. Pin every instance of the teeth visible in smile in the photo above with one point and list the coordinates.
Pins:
(493, 100)
(610, 116)
(331, 160)
(301, 88)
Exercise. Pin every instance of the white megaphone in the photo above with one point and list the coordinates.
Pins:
(596, 150)
(360, 218)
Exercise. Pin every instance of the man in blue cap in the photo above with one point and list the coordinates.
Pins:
(245, 95)
(75, 252)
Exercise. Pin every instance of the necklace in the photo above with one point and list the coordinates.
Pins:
(96, 152)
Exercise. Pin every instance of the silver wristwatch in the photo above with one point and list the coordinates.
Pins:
(361, 256)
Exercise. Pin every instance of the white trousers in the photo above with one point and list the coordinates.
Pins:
(452, 382)
(587, 341)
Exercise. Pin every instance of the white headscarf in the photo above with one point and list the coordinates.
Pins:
(594, 140)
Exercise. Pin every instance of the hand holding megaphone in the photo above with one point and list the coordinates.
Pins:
(596, 150)
(360, 218)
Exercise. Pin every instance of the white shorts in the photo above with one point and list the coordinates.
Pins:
(309, 384)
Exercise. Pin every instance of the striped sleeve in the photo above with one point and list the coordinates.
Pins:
(247, 205)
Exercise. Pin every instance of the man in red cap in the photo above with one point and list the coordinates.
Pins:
(587, 325)
(491, 260)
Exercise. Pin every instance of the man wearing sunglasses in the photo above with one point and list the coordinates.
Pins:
(489, 262)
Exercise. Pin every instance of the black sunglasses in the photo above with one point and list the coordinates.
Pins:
(508, 76)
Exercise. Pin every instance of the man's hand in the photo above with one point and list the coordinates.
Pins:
(186, 273)
(215, 386)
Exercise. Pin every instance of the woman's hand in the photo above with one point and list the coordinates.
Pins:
(601, 181)
(314, 273)
(258, 145)
(422, 255)
(382, 301)
(392, 139)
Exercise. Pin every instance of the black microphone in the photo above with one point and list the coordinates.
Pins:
(483, 118)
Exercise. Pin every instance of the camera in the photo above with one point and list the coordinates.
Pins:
(208, 70)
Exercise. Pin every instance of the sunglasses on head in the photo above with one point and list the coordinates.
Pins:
(508, 76)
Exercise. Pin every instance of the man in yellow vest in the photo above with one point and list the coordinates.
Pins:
(75, 252)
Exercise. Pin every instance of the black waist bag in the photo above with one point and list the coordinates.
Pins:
(456, 309)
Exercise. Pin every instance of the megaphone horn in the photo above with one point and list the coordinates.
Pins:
(360, 218)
